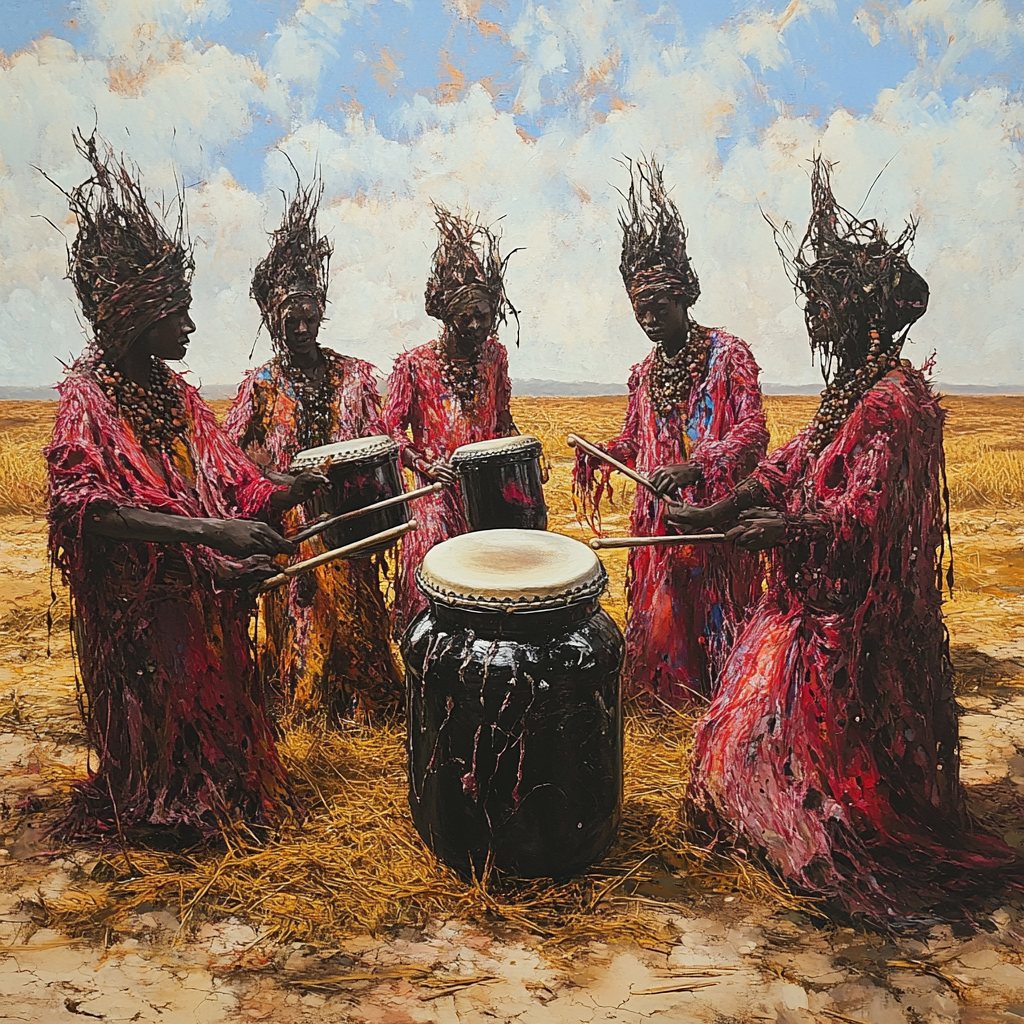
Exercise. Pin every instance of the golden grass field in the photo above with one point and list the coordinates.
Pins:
(358, 864)
(984, 456)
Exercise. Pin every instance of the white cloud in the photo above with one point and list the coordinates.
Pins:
(957, 167)
(135, 31)
(307, 43)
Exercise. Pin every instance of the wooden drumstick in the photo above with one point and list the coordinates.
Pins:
(348, 551)
(597, 543)
(575, 441)
(322, 524)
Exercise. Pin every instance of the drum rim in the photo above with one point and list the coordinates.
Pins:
(376, 445)
(510, 605)
(528, 446)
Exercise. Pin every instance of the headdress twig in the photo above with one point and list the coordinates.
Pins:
(654, 237)
(127, 269)
(466, 266)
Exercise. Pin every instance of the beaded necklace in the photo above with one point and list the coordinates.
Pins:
(460, 376)
(316, 416)
(849, 385)
(156, 411)
(673, 378)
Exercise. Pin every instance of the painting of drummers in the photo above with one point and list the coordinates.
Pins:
(511, 512)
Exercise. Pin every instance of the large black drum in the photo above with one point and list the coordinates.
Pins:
(514, 712)
(361, 472)
(502, 484)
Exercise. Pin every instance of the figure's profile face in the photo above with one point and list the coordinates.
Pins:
(300, 321)
(168, 338)
(474, 322)
(661, 315)
(836, 316)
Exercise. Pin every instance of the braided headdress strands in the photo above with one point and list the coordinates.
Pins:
(466, 267)
(127, 269)
(861, 296)
(297, 264)
(654, 238)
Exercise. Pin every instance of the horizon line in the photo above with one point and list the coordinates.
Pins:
(536, 387)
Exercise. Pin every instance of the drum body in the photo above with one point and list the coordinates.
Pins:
(501, 484)
(361, 472)
(514, 717)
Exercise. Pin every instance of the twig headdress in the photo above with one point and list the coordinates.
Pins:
(466, 267)
(297, 264)
(127, 269)
(654, 237)
(861, 296)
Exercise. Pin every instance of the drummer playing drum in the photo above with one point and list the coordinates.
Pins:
(327, 631)
(449, 392)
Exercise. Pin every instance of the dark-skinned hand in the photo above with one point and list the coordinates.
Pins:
(673, 478)
(439, 470)
(689, 518)
(245, 573)
(758, 529)
(242, 538)
(281, 479)
(305, 485)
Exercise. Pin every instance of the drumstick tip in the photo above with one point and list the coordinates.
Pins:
(572, 440)
(595, 543)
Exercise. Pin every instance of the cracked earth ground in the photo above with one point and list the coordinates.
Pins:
(728, 960)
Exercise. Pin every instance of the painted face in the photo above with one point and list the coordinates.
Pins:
(301, 324)
(168, 338)
(661, 316)
(474, 322)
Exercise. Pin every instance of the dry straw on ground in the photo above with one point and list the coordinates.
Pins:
(357, 864)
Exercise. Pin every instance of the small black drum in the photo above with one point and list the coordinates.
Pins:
(361, 472)
(514, 713)
(501, 484)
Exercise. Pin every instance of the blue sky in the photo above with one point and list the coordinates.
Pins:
(390, 51)
(520, 109)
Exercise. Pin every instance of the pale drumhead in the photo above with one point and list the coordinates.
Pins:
(496, 447)
(356, 450)
(528, 568)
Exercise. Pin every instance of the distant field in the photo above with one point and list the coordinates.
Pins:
(984, 442)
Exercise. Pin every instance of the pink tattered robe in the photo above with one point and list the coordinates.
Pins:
(832, 741)
(684, 602)
(173, 712)
(327, 630)
(421, 402)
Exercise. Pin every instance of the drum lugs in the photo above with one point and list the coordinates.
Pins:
(501, 483)
(361, 472)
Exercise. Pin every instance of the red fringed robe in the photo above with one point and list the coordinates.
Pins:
(832, 741)
(420, 401)
(172, 712)
(326, 639)
(684, 602)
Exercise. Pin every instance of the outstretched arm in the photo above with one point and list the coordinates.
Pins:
(236, 537)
